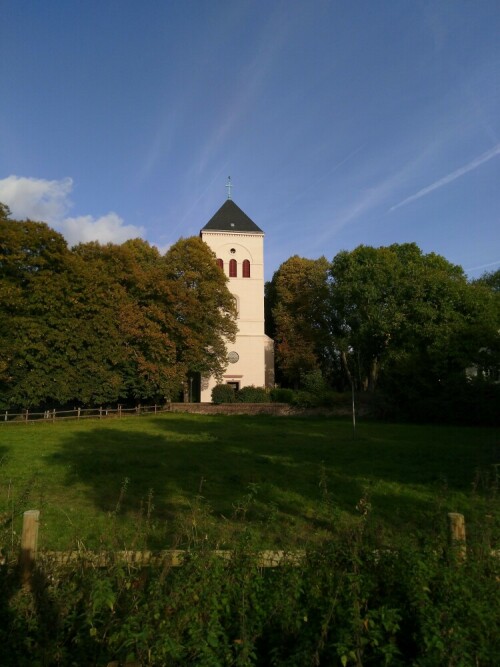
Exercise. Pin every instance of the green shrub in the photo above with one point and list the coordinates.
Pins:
(223, 393)
(315, 392)
(353, 600)
(304, 399)
(307, 399)
(253, 394)
(279, 395)
(313, 382)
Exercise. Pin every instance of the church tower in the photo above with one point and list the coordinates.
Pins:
(238, 244)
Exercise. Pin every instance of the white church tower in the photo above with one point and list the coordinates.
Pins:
(238, 245)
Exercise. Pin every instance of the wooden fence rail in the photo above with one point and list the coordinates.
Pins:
(176, 557)
(27, 417)
(29, 553)
(48, 416)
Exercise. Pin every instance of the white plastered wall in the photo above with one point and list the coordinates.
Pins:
(255, 365)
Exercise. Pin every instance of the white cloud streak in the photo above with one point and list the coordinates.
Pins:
(48, 201)
(474, 164)
(36, 198)
(368, 200)
(106, 229)
(483, 266)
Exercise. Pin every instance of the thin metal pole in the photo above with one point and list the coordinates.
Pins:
(353, 413)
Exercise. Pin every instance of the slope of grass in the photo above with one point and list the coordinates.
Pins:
(289, 480)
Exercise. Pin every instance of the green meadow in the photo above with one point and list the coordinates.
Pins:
(289, 481)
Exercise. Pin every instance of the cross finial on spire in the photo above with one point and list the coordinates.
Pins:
(229, 186)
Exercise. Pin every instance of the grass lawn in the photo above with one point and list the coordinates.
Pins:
(287, 480)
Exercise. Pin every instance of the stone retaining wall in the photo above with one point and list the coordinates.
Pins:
(234, 408)
(278, 409)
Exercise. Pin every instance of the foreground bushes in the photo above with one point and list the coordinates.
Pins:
(224, 393)
(351, 601)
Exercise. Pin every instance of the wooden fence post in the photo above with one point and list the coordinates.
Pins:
(456, 524)
(79, 410)
(29, 544)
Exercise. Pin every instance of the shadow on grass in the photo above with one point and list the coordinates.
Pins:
(179, 457)
(188, 461)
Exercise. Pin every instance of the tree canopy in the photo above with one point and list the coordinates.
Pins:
(298, 304)
(391, 318)
(105, 323)
(112, 323)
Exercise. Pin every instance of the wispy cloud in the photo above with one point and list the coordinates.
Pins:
(366, 202)
(482, 266)
(370, 200)
(314, 184)
(474, 164)
(274, 36)
(160, 145)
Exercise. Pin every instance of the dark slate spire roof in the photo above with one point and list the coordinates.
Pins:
(230, 218)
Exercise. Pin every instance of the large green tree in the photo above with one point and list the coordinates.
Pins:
(393, 317)
(491, 280)
(58, 322)
(176, 314)
(134, 275)
(487, 364)
(297, 299)
(105, 323)
(204, 308)
(402, 313)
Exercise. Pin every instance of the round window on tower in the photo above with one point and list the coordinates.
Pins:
(233, 357)
(232, 251)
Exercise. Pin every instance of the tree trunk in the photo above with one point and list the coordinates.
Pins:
(374, 369)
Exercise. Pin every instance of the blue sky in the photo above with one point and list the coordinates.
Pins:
(340, 123)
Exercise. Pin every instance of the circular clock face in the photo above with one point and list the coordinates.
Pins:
(233, 357)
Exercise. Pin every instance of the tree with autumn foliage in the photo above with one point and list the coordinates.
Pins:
(134, 275)
(105, 323)
(297, 300)
(204, 308)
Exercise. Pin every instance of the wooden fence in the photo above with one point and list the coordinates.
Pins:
(282, 409)
(176, 557)
(27, 417)
(29, 553)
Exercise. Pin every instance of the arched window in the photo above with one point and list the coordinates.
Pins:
(233, 270)
(246, 268)
(220, 264)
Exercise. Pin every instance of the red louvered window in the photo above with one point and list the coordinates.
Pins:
(246, 268)
(233, 270)
(220, 264)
